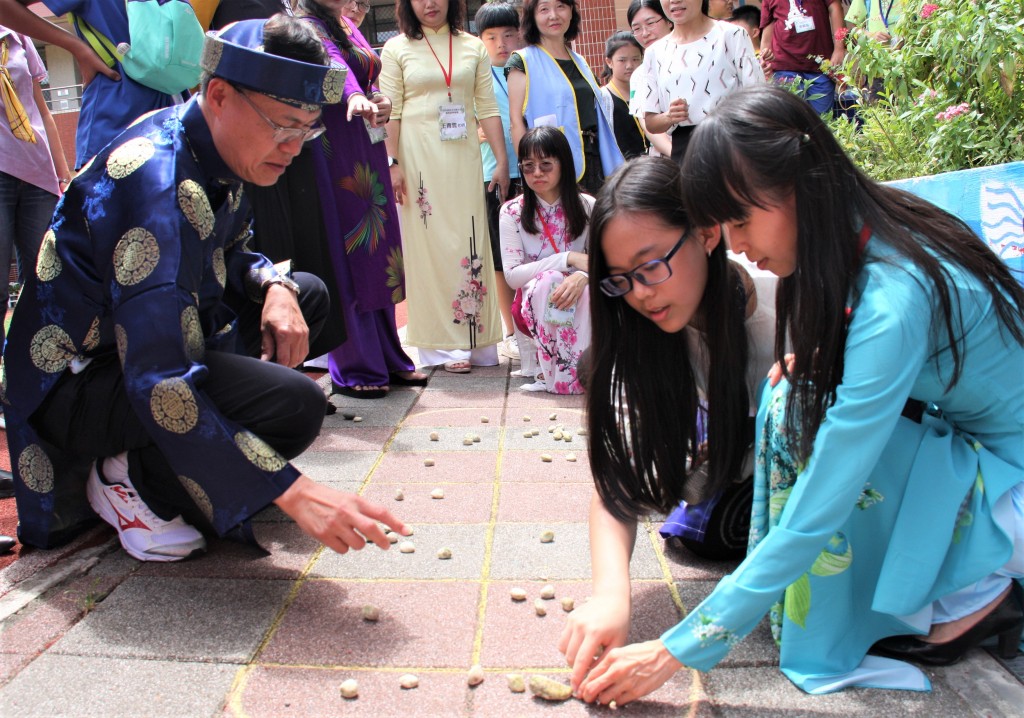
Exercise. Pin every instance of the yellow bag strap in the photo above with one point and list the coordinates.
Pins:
(99, 42)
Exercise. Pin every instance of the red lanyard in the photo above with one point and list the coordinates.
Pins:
(447, 75)
(547, 231)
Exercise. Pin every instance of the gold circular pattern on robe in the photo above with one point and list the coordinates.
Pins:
(192, 331)
(173, 406)
(92, 339)
(48, 264)
(243, 237)
(220, 269)
(129, 157)
(198, 496)
(236, 198)
(196, 206)
(35, 469)
(51, 349)
(259, 452)
(135, 256)
(121, 337)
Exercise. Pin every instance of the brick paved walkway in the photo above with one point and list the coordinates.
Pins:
(89, 631)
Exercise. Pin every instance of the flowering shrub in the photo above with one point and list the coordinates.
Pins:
(952, 111)
(950, 90)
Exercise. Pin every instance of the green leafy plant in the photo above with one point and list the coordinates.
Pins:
(950, 91)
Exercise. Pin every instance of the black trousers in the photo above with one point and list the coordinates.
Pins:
(89, 413)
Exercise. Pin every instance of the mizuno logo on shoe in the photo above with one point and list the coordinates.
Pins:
(123, 523)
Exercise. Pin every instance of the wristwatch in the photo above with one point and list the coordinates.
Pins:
(392, 161)
(285, 281)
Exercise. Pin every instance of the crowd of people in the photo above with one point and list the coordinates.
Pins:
(873, 485)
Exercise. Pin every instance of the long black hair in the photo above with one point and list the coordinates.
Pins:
(642, 399)
(530, 31)
(410, 25)
(763, 144)
(336, 33)
(550, 142)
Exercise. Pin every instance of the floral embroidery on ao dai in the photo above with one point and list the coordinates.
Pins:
(533, 265)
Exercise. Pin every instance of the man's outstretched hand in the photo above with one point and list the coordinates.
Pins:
(339, 520)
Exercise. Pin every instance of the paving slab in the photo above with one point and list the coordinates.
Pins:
(334, 466)
(55, 685)
(32, 629)
(471, 503)
(518, 553)
(440, 418)
(449, 467)
(11, 664)
(537, 401)
(516, 637)
(516, 437)
(425, 624)
(417, 438)
(473, 382)
(450, 399)
(528, 466)
(206, 619)
(556, 502)
(346, 439)
(766, 693)
(397, 398)
(372, 412)
(680, 696)
(288, 550)
(276, 691)
(684, 565)
(467, 544)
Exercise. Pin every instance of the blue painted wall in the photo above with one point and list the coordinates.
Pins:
(989, 199)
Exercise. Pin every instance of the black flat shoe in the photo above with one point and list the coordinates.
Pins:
(6, 544)
(358, 393)
(6, 484)
(1006, 621)
(399, 380)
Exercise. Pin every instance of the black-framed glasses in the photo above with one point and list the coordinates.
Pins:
(646, 26)
(284, 134)
(649, 273)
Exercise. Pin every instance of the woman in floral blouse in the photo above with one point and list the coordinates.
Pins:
(544, 253)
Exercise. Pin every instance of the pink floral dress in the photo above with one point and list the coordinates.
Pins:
(533, 265)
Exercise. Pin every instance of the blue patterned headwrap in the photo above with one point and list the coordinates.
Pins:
(236, 54)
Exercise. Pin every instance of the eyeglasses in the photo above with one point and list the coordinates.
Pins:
(364, 6)
(649, 273)
(529, 168)
(285, 134)
(646, 27)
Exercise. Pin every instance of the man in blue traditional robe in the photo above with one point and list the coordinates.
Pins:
(131, 378)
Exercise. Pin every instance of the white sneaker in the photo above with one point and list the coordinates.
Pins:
(509, 348)
(143, 534)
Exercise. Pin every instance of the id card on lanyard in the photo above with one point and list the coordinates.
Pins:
(801, 21)
(451, 116)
